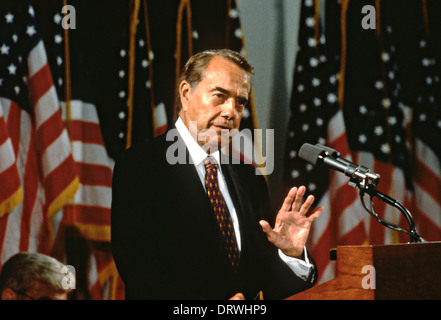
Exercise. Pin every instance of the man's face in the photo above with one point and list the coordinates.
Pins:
(217, 102)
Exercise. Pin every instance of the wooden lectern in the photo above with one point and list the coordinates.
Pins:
(402, 271)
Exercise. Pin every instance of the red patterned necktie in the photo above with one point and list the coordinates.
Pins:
(221, 210)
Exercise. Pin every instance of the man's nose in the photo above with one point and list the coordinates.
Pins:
(229, 108)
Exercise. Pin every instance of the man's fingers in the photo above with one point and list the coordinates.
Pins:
(293, 200)
(266, 227)
(299, 198)
(307, 205)
(287, 203)
(316, 213)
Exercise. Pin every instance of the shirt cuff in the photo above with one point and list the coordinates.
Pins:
(302, 268)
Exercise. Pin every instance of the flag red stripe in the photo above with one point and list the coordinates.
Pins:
(385, 170)
(30, 195)
(13, 123)
(4, 134)
(403, 237)
(343, 197)
(55, 181)
(320, 251)
(86, 132)
(9, 175)
(425, 226)
(356, 236)
(160, 130)
(93, 174)
(45, 241)
(87, 214)
(49, 131)
(341, 145)
(3, 225)
(39, 84)
(104, 260)
(428, 180)
(96, 291)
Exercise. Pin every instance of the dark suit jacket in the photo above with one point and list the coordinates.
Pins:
(165, 240)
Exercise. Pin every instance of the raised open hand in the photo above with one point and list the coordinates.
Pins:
(293, 223)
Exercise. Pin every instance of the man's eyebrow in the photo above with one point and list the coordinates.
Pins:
(220, 89)
(225, 91)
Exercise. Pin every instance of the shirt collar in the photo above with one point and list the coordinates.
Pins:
(197, 154)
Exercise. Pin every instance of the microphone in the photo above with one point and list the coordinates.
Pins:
(360, 176)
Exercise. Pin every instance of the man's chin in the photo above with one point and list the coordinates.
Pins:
(214, 145)
(214, 140)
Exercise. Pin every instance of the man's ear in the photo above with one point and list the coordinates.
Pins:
(184, 92)
(8, 294)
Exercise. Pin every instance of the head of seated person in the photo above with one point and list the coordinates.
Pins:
(32, 276)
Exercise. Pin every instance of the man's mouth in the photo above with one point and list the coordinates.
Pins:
(222, 126)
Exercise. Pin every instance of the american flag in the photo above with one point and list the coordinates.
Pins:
(11, 193)
(83, 226)
(369, 124)
(316, 117)
(35, 130)
(425, 199)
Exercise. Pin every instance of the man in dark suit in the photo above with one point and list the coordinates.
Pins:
(198, 229)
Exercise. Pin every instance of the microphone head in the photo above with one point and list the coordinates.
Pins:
(310, 153)
(332, 152)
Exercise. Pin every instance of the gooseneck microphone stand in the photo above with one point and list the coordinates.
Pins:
(367, 187)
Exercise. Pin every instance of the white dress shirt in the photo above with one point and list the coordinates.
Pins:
(301, 268)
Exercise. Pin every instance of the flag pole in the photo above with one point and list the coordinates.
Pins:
(67, 87)
(183, 5)
(134, 11)
(426, 17)
(341, 85)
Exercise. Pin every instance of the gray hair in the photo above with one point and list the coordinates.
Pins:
(23, 268)
(196, 65)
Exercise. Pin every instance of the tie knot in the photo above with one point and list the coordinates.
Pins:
(210, 163)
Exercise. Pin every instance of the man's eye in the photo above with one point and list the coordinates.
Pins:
(242, 103)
